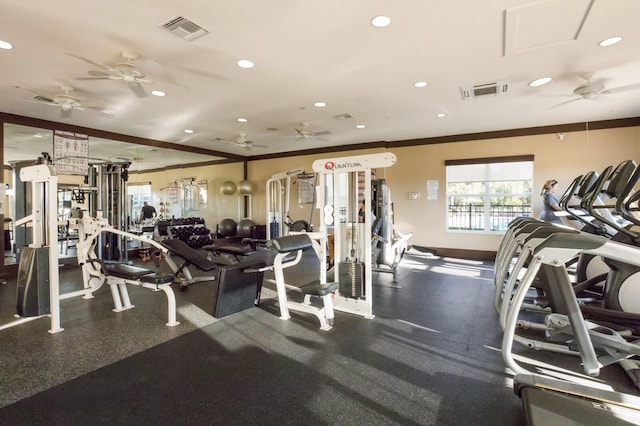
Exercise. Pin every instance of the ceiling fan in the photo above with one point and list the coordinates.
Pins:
(64, 101)
(594, 88)
(242, 141)
(125, 70)
(304, 132)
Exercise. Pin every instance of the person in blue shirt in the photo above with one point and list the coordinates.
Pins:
(550, 203)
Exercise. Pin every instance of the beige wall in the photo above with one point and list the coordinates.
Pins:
(578, 153)
(554, 159)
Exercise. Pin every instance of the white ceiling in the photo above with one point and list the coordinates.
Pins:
(309, 51)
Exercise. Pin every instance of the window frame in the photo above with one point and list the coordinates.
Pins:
(486, 195)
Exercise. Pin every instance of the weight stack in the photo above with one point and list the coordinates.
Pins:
(32, 292)
(351, 279)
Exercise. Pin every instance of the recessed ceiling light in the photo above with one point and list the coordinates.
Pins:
(540, 81)
(610, 41)
(242, 120)
(441, 114)
(420, 84)
(158, 93)
(320, 104)
(245, 63)
(381, 21)
(360, 126)
(5, 45)
(188, 131)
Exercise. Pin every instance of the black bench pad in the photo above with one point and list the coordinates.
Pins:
(316, 289)
(291, 243)
(158, 278)
(129, 272)
(237, 250)
(191, 255)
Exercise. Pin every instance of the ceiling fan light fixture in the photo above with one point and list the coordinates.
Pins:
(540, 81)
(381, 21)
(610, 41)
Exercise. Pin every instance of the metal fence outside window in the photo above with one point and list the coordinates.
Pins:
(472, 216)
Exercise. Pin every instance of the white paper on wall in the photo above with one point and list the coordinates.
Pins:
(432, 190)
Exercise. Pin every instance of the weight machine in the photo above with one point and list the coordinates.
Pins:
(338, 202)
(111, 180)
(39, 261)
(278, 194)
(389, 244)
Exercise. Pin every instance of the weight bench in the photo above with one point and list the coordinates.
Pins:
(190, 256)
(118, 275)
(238, 251)
(296, 245)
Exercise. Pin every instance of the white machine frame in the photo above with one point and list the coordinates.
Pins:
(44, 186)
(278, 195)
(335, 166)
(90, 230)
(284, 260)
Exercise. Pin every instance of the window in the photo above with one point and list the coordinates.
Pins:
(487, 194)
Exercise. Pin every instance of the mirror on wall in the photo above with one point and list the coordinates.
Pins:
(27, 143)
(23, 145)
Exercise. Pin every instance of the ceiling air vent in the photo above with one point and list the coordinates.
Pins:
(489, 89)
(184, 28)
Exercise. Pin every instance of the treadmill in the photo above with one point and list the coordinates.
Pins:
(548, 402)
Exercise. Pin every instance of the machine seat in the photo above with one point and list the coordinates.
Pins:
(315, 288)
(291, 243)
(158, 278)
(128, 272)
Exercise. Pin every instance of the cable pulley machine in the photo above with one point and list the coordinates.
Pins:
(278, 195)
(338, 187)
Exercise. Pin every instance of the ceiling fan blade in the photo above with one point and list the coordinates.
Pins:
(43, 99)
(566, 102)
(50, 102)
(622, 89)
(106, 77)
(138, 90)
(99, 74)
(97, 64)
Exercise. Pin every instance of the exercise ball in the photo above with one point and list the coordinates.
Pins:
(228, 188)
(227, 227)
(245, 228)
(245, 187)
